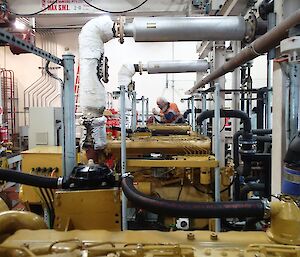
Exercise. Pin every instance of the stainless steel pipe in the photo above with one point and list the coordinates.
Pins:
(164, 29)
(156, 67)
(255, 49)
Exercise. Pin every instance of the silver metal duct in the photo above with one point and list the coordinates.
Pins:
(156, 67)
(261, 45)
(162, 29)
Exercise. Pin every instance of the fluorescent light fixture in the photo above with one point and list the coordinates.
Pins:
(19, 25)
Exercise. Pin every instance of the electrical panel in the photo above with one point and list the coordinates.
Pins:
(45, 126)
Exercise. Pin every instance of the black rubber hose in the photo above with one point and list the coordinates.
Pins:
(251, 187)
(253, 208)
(235, 140)
(227, 113)
(28, 179)
(188, 111)
(264, 139)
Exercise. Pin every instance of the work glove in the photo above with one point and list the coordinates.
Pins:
(155, 112)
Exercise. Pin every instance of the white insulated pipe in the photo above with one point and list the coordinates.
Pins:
(163, 29)
(92, 37)
(176, 66)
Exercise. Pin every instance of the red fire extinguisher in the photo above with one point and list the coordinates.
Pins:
(3, 134)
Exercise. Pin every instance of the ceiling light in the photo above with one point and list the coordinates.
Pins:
(19, 25)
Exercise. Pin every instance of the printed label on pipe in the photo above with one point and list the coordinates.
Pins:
(151, 25)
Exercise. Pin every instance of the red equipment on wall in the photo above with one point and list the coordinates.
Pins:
(3, 134)
(113, 120)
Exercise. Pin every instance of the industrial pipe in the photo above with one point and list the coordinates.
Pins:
(260, 46)
(92, 37)
(227, 113)
(176, 66)
(171, 208)
(235, 141)
(188, 111)
(163, 29)
(30, 180)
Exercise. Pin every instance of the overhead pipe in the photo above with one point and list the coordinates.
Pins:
(253, 208)
(258, 47)
(176, 66)
(164, 29)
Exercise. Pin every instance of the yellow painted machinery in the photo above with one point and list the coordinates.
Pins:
(282, 239)
(99, 208)
(43, 161)
(176, 167)
(172, 188)
(171, 162)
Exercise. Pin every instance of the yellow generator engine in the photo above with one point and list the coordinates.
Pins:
(171, 162)
(25, 235)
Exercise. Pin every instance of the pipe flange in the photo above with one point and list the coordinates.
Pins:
(119, 28)
(291, 47)
(251, 24)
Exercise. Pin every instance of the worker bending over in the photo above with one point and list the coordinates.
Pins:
(169, 112)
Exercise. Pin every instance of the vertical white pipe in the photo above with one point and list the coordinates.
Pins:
(217, 127)
(123, 152)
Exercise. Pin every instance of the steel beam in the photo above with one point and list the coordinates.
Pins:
(13, 40)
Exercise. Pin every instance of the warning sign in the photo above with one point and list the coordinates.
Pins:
(67, 6)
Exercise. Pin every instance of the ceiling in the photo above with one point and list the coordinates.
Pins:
(72, 18)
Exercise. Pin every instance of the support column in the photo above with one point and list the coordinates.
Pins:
(204, 108)
(68, 127)
(123, 152)
(147, 109)
(133, 110)
(236, 81)
(219, 60)
(193, 113)
(143, 111)
(294, 99)
(218, 152)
